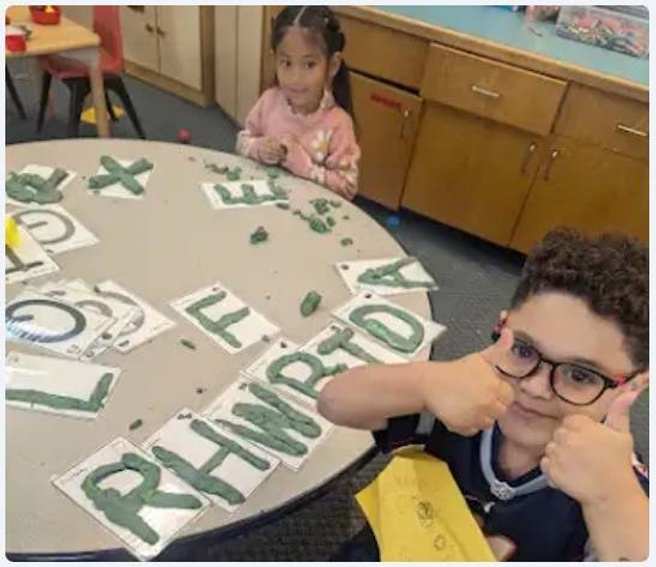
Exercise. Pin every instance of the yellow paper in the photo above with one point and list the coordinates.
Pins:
(89, 115)
(417, 513)
(11, 233)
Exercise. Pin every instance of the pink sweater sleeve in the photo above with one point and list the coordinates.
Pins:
(248, 139)
(339, 171)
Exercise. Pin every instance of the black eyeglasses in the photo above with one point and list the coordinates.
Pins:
(571, 382)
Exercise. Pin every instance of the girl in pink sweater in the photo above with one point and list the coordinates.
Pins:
(303, 123)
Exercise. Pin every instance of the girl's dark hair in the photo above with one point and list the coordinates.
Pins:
(321, 20)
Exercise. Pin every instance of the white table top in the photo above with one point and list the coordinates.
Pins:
(163, 247)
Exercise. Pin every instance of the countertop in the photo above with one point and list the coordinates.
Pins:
(509, 28)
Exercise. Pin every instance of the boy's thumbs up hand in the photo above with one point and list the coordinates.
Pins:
(618, 413)
(591, 461)
(468, 395)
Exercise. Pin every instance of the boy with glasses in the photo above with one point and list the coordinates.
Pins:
(535, 428)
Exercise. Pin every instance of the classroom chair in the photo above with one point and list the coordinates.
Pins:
(75, 75)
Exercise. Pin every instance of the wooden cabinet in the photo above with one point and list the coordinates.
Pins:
(587, 188)
(389, 54)
(239, 33)
(501, 143)
(595, 174)
(386, 123)
(139, 25)
(180, 55)
(268, 63)
(470, 172)
(171, 47)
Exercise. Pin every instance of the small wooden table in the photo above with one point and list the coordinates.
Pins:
(71, 40)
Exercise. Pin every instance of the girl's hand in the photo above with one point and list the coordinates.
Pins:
(467, 395)
(288, 141)
(591, 461)
(271, 151)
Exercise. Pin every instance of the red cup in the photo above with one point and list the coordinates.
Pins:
(15, 43)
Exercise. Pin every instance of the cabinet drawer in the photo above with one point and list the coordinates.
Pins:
(384, 53)
(500, 92)
(614, 122)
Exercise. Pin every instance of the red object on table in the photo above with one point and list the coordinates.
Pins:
(15, 43)
(43, 17)
(184, 136)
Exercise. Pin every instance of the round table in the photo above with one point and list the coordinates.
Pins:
(162, 248)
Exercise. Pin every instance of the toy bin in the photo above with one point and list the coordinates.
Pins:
(45, 15)
(611, 29)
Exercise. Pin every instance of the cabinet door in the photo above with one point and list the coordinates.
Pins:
(470, 173)
(268, 70)
(139, 26)
(225, 70)
(180, 44)
(386, 123)
(249, 60)
(587, 188)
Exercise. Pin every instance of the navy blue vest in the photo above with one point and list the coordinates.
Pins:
(543, 525)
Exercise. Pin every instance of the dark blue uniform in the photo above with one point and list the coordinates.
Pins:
(522, 519)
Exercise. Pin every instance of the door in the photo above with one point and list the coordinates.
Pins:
(386, 123)
(178, 30)
(587, 188)
(138, 26)
(470, 173)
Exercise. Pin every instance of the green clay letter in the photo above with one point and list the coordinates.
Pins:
(341, 339)
(30, 187)
(122, 509)
(379, 330)
(249, 196)
(55, 401)
(218, 327)
(117, 174)
(201, 479)
(272, 422)
(390, 276)
(317, 372)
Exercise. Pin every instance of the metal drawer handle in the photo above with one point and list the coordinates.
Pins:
(485, 92)
(527, 158)
(404, 122)
(634, 131)
(552, 158)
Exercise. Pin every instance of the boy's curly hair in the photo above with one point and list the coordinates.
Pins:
(609, 272)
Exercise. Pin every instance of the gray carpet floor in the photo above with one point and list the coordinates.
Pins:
(475, 278)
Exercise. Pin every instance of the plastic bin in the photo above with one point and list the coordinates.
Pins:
(610, 29)
(45, 15)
